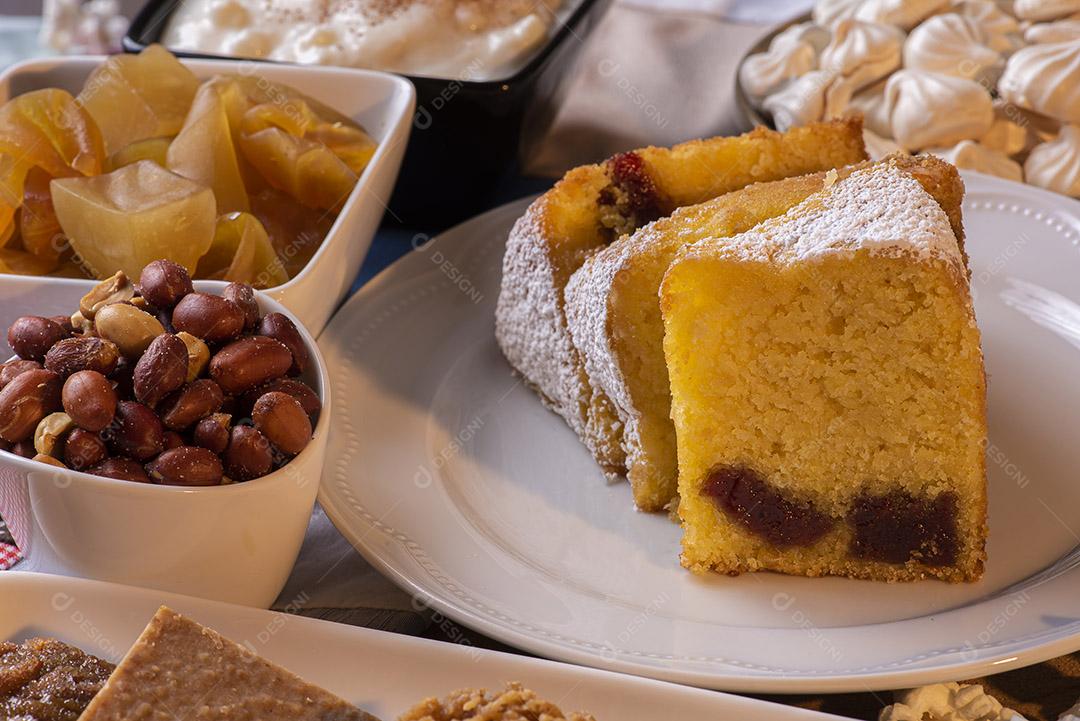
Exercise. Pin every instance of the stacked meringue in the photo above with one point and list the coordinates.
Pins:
(990, 85)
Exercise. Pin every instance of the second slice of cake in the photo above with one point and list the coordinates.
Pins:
(828, 390)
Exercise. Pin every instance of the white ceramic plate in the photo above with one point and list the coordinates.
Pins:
(448, 474)
(384, 673)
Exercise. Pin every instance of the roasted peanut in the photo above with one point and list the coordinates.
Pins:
(280, 418)
(198, 355)
(12, 368)
(248, 455)
(88, 397)
(280, 328)
(163, 283)
(83, 449)
(212, 432)
(249, 362)
(32, 336)
(186, 466)
(122, 469)
(137, 432)
(190, 403)
(84, 352)
(244, 296)
(161, 369)
(116, 289)
(80, 324)
(51, 431)
(28, 398)
(210, 317)
(172, 439)
(302, 392)
(129, 328)
(49, 460)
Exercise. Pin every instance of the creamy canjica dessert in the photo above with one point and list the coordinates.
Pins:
(460, 39)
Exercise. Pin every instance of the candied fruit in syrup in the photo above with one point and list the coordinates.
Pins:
(38, 226)
(149, 149)
(48, 128)
(12, 178)
(134, 215)
(134, 97)
(295, 230)
(204, 151)
(306, 170)
(242, 252)
(20, 262)
(345, 139)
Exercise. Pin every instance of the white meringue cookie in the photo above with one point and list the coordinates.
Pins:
(817, 95)
(1059, 31)
(863, 52)
(871, 103)
(932, 110)
(1000, 29)
(902, 13)
(948, 702)
(1045, 9)
(973, 156)
(807, 32)
(1056, 165)
(1045, 78)
(764, 73)
(953, 45)
(827, 13)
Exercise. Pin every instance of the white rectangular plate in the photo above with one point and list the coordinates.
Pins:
(384, 673)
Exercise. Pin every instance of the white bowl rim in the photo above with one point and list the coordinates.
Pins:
(393, 127)
(275, 478)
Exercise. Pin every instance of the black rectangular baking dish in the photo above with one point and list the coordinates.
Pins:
(467, 135)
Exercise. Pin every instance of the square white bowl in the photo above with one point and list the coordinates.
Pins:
(236, 543)
(382, 103)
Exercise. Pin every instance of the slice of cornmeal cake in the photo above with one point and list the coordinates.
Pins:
(178, 669)
(613, 309)
(828, 390)
(595, 204)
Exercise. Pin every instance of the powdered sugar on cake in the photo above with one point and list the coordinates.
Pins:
(881, 209)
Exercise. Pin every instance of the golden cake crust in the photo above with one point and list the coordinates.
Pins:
(826, 370)
(613, 309)
(587, 209)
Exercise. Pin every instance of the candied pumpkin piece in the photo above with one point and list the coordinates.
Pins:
(134, 97)
(204, 151)
(345, 139)
(131, 216)
(38, 225)
(148, 149)
(305, 169)
(242, 252)
(295, 230)
(50, 129)
(22, 263)
(12, 178)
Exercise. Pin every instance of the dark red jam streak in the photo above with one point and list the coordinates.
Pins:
(749, 500)
(899, 527)
(639, 201)
(893, 528)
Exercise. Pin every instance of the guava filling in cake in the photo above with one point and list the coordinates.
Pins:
(631, 200)
(895, 527)
(828, 390)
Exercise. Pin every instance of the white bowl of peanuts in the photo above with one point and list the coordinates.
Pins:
(168, 435)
